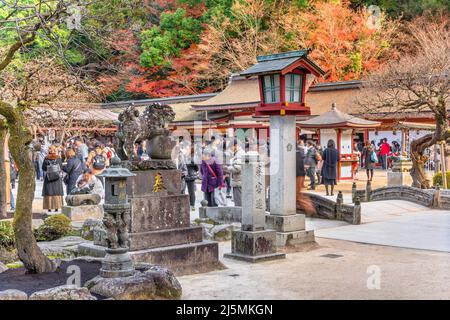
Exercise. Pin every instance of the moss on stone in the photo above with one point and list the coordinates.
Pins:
(208, 221)
(15, 265)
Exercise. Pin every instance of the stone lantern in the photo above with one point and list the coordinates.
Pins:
(117, 217)
(283, 83)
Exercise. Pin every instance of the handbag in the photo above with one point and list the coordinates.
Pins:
(373, 157)
(214, 175)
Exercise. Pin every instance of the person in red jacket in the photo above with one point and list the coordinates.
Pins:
(385, 149)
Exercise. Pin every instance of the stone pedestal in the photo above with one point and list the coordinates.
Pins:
(116, 264)
(160, 228)
(253, 243)
(82, 213)
(283, 217)
(399, 178)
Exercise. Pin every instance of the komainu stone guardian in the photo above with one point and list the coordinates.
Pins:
(83, 204)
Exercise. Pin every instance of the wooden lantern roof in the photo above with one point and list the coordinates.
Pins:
(283, 63)
(337, 119)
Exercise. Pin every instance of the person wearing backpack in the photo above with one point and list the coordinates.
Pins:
(97, 160)
(370, 158)
(52, 190)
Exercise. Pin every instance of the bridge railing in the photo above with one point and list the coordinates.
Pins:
(327, 208)
(431, 198)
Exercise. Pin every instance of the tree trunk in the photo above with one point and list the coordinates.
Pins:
(3, 188)
(19, 144)
(418, 147)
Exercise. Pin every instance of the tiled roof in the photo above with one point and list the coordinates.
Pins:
(335, 118)
(168, 100)
(274, 62)
(240, 93)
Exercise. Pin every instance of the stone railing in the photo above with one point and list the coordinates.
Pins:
(431, 198)
(419, 196)
(335, 210)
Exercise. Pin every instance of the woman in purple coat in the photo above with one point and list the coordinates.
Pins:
(212, 177)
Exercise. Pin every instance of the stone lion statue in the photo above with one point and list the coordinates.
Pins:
(150, 126)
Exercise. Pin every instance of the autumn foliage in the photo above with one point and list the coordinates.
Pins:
(192, 46)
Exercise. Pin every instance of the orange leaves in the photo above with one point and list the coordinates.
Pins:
(342, 40)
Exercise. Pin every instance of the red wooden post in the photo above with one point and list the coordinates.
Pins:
(338, 146)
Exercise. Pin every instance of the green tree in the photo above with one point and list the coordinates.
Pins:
(175, 32)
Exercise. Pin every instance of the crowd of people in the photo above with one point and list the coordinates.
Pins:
(217, 162)
(319, 165)
(382, 154)
(75, 164)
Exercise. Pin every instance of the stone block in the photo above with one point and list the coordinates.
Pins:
(182, 259)
(142, 184)
(288, 223)
(399, 179)
(287, 239)
(221, 214)
(91, 250)
(151, 213)
(82, 213)
(164, 238)
(253, 243)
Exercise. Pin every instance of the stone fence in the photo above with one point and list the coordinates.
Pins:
(335, 210)
(431, 198)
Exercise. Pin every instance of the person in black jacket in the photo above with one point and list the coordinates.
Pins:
(300, 171)
(73, 169)
(52, 190)
(329, 169)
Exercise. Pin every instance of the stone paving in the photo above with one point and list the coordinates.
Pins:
(333, 270)
(409, 243)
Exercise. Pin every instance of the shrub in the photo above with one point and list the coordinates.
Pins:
(6, 235)
(54, 227)
(437, 179)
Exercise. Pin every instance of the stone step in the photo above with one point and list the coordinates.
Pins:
(164, 238)
(183, 259)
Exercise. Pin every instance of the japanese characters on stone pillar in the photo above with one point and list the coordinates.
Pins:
(254, 206)
(253, 243)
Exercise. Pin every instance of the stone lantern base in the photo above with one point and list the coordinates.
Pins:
(254, 246)
(116, 264)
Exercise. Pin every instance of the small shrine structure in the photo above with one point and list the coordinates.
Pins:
(340, 127)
